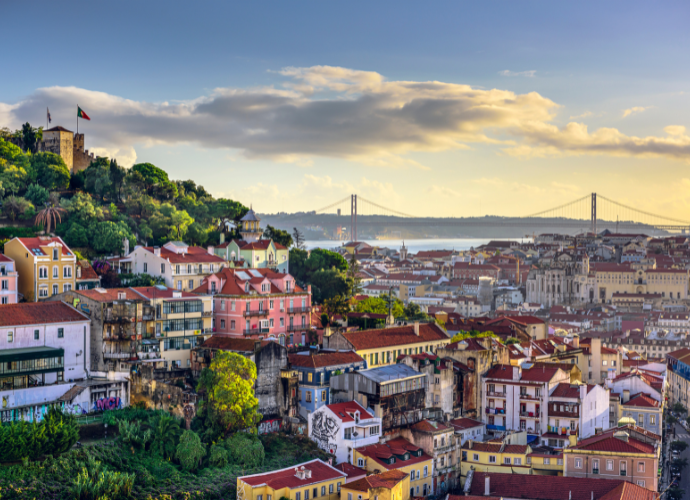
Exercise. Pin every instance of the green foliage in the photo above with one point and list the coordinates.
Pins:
(134, 434)
(473, 334)
(190, 451)
(679, 408)
(108, 237)
(671, 419)
(55, 434)
(336, 306)
(511, 341)
(12, 155)
(680, 463)
(97, 178)
(298, 238)
(675, 493)
(14, 179)
(166, 433)
(219, 456)
(379, 305)
(16, 206)
(278, 236)
(413, 312)
(679, 445)
(30, 137)
(141, 279)
(97, 482)
(77, 236)
(38, 195)
(245, 449)
(51, 171)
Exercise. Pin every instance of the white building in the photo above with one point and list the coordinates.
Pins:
(467, 428)
(339, 428)
(44, 362)
(9, 279)
(577, 409)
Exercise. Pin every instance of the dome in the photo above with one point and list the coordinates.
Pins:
(250, 217)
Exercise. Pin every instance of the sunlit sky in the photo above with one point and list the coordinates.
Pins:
(432, 108)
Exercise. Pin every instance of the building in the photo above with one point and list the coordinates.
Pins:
(401, 455)
(69, 146)
(383, 346)
(628, 453)
(678, 376)
(182, 321)
(495, 457)
(577, 409)
(306, 481)
(390, 485)
(341, 427)
(439, 442)
(44, 362)
(395, 393)
(490, 485)
(640, 395)
(261, 304)
(276, 386)
(86, 278)
(45, 265)
(261, 254)
(315, 369)
(467, 428)
(183, 267)
(442, 380)
(8, 281)
(353, 473)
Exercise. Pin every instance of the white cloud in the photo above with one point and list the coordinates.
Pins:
(634, 110)
(529, 74)
(443, 191)
(586, 114)
(356, 115)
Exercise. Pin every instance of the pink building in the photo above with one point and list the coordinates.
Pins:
(260, 304)
(8, 281)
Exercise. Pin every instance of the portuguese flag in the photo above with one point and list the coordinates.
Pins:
(81, 114)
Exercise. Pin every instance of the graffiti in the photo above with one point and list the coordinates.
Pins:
(324, 430)
(107, 404)
(76, 409)
(269, 426)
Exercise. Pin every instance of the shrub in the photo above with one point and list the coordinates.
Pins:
(219, 456)
(190, 451)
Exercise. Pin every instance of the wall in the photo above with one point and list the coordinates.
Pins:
(270, 360)
(649, 476)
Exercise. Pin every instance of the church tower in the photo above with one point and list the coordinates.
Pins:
(250, 231)
(403, 252)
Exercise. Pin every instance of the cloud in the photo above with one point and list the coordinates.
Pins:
(333, 112)
(529, 74)
(586, 114)
(443, 191)
(634, 110)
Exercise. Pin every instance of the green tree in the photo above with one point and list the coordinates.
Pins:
(166, 433)
(679, 445)
(337, 305)
(352, 273)
(108, 237)
(179, 219)
(82, 210)
(245, 449)
(29, 137)
(472, 334)
(278, 236)
(97, 178)
(229, 386)
(671, 419)
(51, 171)
(38, 195)
(61, 430)
(12, 155)
(15, 206)
(77, 236)
(675, 493)
(379, 305)
(298, 238)
(196, 234)
(679, 408)
(117, 178)
(218, 457)
(14, 179)
(414, 312)
(49, 216)
(328, 283)
(680, 463)
(511, 341)
(190, 451)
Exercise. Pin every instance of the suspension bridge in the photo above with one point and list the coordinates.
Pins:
(591, 212)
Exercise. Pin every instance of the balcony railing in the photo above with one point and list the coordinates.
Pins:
(529, 414)
(496, 411)
(256, 312)
(496, 394)
(253, 331)
(530, 397)
(298, 310)
(117, 355)
(296, 328)
(207, 314)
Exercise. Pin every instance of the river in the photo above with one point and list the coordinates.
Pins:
(413, 246)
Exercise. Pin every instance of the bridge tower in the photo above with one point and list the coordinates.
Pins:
(594, 213)
(353, 217)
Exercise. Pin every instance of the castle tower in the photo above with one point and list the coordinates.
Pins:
(60, 141)
(250, 231)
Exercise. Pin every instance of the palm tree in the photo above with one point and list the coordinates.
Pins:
(49, 217)
(166, 432)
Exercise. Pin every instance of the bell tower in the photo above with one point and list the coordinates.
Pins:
(251, 231)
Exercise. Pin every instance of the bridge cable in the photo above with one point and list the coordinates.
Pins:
(400, 214)
(332, 205)
(637, 210)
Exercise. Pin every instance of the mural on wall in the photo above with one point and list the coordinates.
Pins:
(324, 431)
(268, 426)
(107, 404)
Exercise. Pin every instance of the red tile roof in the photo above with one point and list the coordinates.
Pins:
(5, 258)
(286, 478)
(551, 487)
(394, 446)
(324, 358)
(151, 292)
(571, 391)
(607, 442)
(465, 423)
(351, 470)
(386, 479)
(192, 256)
(346, 411)
(430, 426)
(87, 272)
(41, 241)
(36, 313)
(108, 294)
(630, 491)
(642, 400)
(400, 335)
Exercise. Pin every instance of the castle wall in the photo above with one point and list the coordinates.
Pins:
(81, 158)
(60, 143)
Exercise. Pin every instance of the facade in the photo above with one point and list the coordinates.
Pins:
(578, 409)
(467, 428)
(391, 485)
(85, 277)
(44, 362)
(639, 395)
(261, 254)
(628, 453)
(442, 380)
(383, 346)
(69, 146)
(495, 457)
(306, 481)
(45, 264)
(9, 279)
(399, 454)
(645, 411)
(439, 442)
(678, 376)
(315, 369)
(341, 427)
(261, 304)
(183, 267)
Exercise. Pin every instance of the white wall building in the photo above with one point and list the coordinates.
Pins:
(339, 428)
(577, 409)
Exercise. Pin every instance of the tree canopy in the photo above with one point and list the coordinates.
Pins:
(278, 236)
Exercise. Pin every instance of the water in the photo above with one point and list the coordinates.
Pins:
(413, 246)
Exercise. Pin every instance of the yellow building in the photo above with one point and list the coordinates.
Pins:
(182, 321)
(383, 346)
(620, 278)
(391, 485)
(495, 457)
(308, 481)
(401, 455)
(544, 464)
(45, 264)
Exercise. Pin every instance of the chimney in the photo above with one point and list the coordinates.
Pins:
(487, 489)
(416, 328)
(576, 341)
(469, 443)
(516, 373)
(210, 249)
(626, 395)
(157, 251)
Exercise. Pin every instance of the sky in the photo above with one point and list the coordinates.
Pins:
(443, 108)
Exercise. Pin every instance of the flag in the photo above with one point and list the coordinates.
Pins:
(48, 111)
(81, 114)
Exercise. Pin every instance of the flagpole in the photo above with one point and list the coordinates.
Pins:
(77, 119)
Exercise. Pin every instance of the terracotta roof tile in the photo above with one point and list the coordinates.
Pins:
(286, 478)
(400, 335)
(192, 256)
(35, 313)
(324, 358)
(35, 244)
(345, 411)
(430, 426)
(386, 479)
(87, 271)
(351, 470)
(465, 423)
(642, 400)
(108, 294)
(374, 450)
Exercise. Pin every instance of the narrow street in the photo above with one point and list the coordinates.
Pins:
(681, 435)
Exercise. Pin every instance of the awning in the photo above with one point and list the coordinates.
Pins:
(25, 353)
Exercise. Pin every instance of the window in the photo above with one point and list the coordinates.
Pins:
(61, 333)
(475, 457)
(37, 334)
(306, 494)
(259, 497)
(232, 324)
(43, 272)
(640, 483)
(348, 433)
(146, 267)
(517, 461)
(43, 292)
(56, 289)
(10, 337)
(492, 459)
(624, 468)
(652, 420)
(349, 495)
(426, 470)
(330, 488)
(162, 268)
(547, 461)
(506, 460)
(595, 466)
(323, 394)
(338, 487)
(222, 324)
(374, 431)
(55, 254)
(191, 283)
(66, 287)
(323, 490)
(578, 463)
(315, 492)
(308, 397)
(5, 285)
(298, 496)
(640, 419)
(360, 462)
(67, 272)
(640, 466)
(55, 271)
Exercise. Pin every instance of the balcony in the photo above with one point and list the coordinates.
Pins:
(529, 414)
(254, 331)
(258, 312)
(298, 310)
(207, 314)
(496, 411)
(111, 316)
(496, 394)
(443, 449)
(297, 328)
(117, 355)
(530, 397)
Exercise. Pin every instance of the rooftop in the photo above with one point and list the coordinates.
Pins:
(36, 313)
(399, 335)
(287, 478)
(389, 373)
(386, 479)
(322, 359)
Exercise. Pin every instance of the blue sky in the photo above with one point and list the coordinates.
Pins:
(149, 75)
